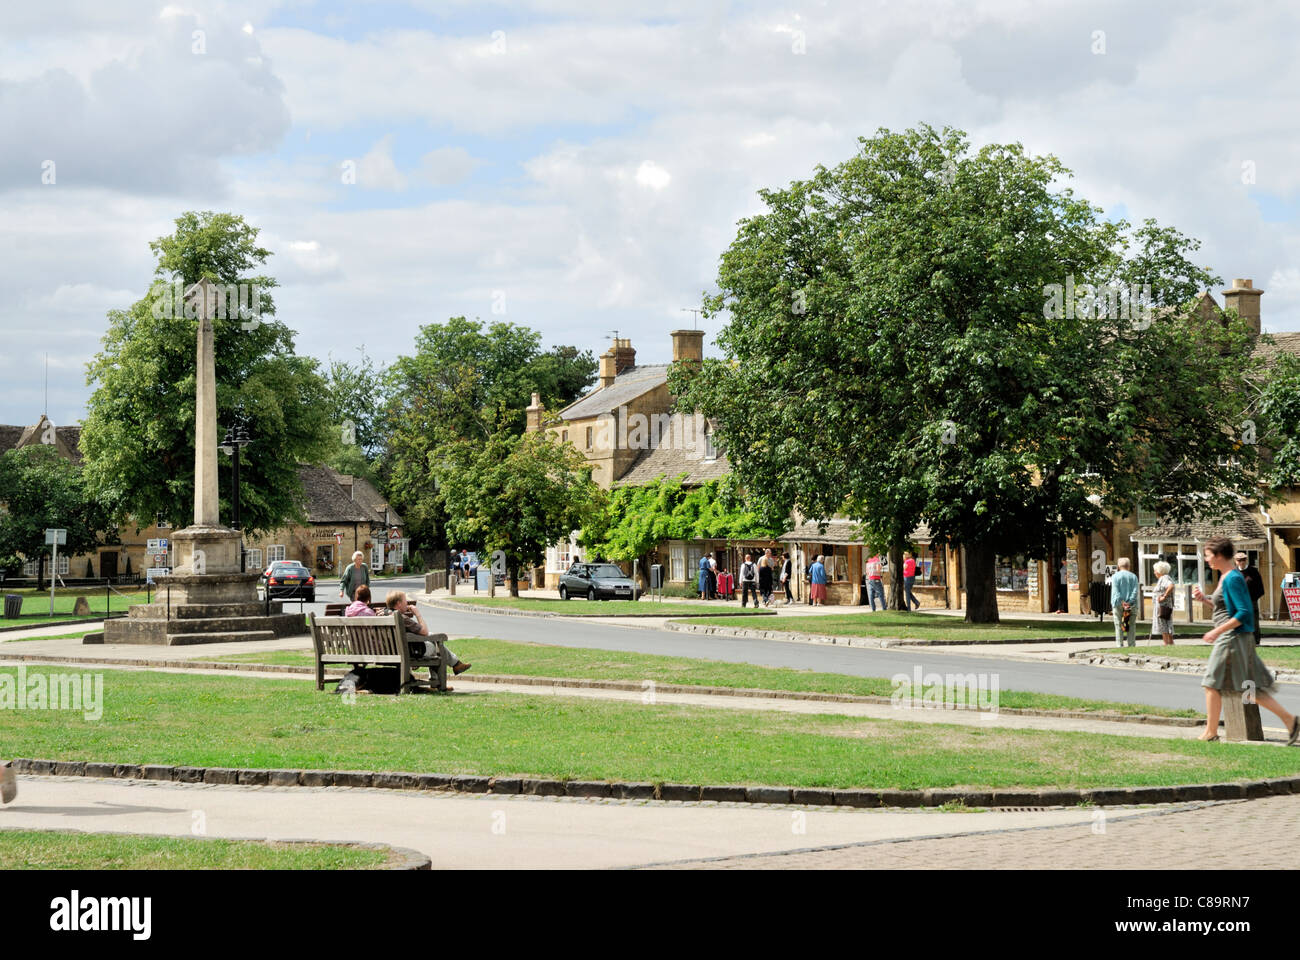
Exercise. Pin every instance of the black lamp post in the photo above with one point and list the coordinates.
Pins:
(236, 439)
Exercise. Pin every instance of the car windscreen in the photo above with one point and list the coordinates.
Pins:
(606, 571)
(289, 568)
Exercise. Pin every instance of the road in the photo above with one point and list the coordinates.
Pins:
(1161, 689)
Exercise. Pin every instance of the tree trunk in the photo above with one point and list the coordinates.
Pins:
(514, 578)
(896, 601)
(981, 592)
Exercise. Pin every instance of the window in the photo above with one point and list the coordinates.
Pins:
(677, 561)
(275, 552)
(560, 556)
(29, 568)
(564, 436)
(710, 449)
(376, 557)
(325, 556)
(693, 554)
(1011, 573)
(930, 567)
(253, 559)
(589, 432)
(63, 564)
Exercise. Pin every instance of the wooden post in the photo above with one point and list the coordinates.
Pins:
(1240, 719)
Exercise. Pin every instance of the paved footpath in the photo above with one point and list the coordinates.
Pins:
(484, 831)
(1222, 836)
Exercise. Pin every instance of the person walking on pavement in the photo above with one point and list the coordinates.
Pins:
(704, 578)
(766, 567)
(713, 578)
(909, 578)
(1234, 662)
(1162, 599)
(355, 574)
(1254, 583)
(787, 574)
(817, 581)
(1123, 603)
(748, 580)
(875, 584)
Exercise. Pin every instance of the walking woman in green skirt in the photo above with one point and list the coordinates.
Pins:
(1234, 664)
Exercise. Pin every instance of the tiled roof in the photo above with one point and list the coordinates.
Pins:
(1282, 343)
(327, 502)
(1244, 527)
(667, 460)
(837, 531)
(627, 386)
(365, 496)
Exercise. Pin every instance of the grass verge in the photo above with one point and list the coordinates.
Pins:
(896, 625)
(607, 608)
(1288, 657)
(539, 660)
(56, 850)
(196, 720)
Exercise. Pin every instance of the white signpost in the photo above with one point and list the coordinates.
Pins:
(53, 537)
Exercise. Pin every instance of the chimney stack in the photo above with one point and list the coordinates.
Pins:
(619, 357)
(534, 413)
(688, 345)
(1244, 298)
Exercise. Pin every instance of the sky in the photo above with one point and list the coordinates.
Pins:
(578, 167)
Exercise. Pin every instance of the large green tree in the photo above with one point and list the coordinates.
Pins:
(138, 436)
(927, 332)
(1279, 409)
(515, 493)
(464, 381)
(40, 489)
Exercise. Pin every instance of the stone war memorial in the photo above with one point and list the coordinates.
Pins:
(206, 599)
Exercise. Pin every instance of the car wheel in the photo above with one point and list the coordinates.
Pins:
(591, 593)
(564, 592)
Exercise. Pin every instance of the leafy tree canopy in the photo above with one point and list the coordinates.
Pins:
(516, 493)
(138, 436)
(1279, 409)
(464, 381)
(927, 332)
(41, 489)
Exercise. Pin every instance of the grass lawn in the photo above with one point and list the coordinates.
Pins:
(36, 606)
(608, 608)
(1288, 657)
(248, 722)
(896, 625)
(538, 660)
(54, 850)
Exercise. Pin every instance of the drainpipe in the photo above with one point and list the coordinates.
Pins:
(1268, 546)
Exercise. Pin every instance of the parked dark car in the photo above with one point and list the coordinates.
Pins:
(597, 581)
(289, 580)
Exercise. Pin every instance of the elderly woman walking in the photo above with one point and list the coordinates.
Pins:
(1162, 599)
(1234, 664)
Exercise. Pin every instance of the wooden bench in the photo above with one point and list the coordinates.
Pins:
(376, 640)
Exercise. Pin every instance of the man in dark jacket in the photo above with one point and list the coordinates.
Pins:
(1255, 583)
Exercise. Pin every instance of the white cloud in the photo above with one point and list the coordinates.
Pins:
(447, 166)
(377, 171)
(651, 175)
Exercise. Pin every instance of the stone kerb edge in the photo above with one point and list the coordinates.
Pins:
(669, 792)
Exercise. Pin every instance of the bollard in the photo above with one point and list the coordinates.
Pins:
(1240, 719)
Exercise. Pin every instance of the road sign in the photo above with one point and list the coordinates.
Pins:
(381, 538)
(154, 572)
(55, 536)
(155, 546)
(338, 538)
(160, 559)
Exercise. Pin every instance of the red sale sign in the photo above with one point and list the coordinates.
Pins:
(1292, 595)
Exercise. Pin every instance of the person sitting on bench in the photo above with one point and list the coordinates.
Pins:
(416, 630)
(360, 607)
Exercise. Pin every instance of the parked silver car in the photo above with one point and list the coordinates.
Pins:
(597, 581)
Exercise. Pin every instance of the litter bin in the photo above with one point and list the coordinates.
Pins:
(13, 606)
(482, 577)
